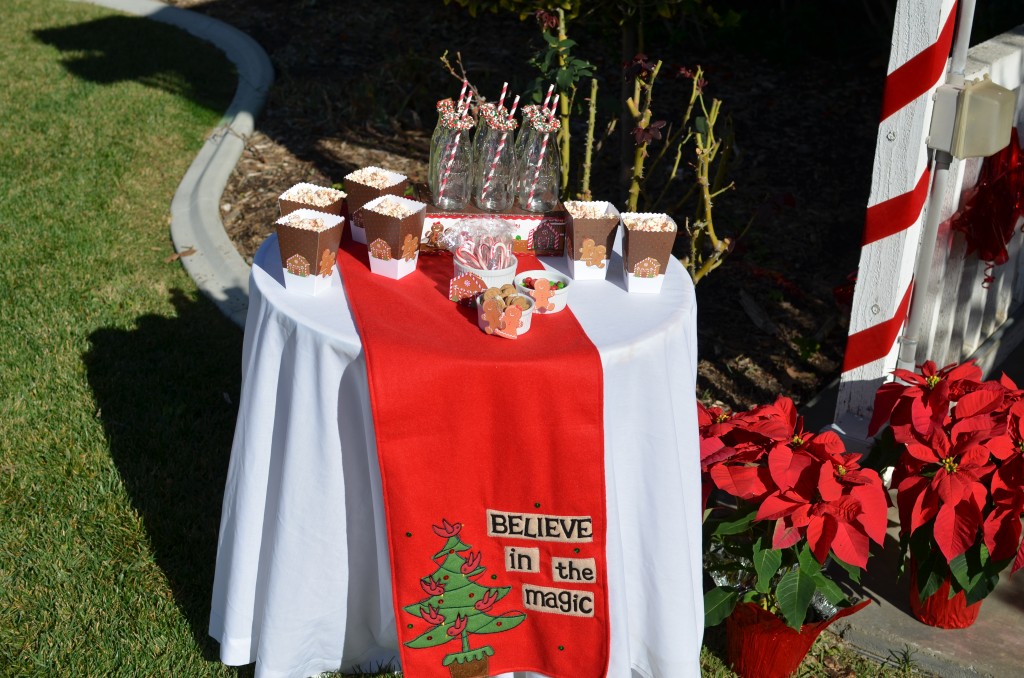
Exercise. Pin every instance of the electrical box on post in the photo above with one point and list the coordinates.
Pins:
(972, 120)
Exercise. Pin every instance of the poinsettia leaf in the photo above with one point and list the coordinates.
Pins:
(829, 589)
(959, 568)
(851, 544)
(766, 563)
(886, 397)
(737, 525)
(956, 528)
(794, 592)
(851, 571)
(821, 532)
(978, 402)
(808, 561)
(719, 603)
(931, 572)
(745, 482)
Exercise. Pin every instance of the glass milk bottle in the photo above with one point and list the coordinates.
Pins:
(444, 107)
(494, 163)
(450, 176)
(539, 173)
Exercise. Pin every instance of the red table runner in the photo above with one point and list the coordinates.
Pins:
(492, 459)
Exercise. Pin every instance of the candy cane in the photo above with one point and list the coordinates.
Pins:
(466, 253)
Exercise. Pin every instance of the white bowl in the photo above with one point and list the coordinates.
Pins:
(525, 321)
(496, 278)
(560, 297)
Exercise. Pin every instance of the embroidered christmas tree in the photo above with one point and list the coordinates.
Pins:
(457, 607)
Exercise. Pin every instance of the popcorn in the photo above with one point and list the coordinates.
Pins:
(580, 209)
(649, 222)
(391, 208)
(374, 177)
(317, 196)
(296, 220)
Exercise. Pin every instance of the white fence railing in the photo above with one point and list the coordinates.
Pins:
(964, 318)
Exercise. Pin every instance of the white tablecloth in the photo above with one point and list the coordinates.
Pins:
(302, 582)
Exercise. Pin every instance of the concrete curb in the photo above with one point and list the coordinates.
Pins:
(217, 268)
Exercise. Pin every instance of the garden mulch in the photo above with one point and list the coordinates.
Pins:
(357, 87)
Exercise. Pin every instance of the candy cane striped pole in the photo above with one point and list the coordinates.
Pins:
(921, 43)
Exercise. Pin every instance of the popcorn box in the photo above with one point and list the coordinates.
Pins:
(542, 234)
(393, 234)
(589, 236)
(313, 197)
(364, 185)
(646, 248)
(309, 241)
(368, 183)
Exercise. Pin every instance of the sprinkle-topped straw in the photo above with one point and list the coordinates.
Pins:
(461, 124)
(543, 149)
(509, 124)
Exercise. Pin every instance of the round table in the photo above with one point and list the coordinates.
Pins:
(302, 579)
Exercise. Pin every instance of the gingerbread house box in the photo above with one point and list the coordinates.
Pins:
(313, 197)
(589, 236)
(368, 183)
(308, 241)
(646, 248)
(393, 227)
(541, 233)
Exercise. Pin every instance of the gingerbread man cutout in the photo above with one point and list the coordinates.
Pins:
(327, 263)
(409, 246)
(593, 255)
(492, 315)
(434, 239)
(542, 294)
(510, 322)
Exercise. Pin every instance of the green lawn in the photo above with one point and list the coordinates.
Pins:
(117, 381)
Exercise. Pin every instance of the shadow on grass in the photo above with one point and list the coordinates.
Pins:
(120, 48)
(167, 391)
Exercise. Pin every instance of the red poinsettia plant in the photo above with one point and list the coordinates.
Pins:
(959, 476)
(780, 503)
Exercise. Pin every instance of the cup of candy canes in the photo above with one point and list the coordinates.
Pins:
(483, 247)
(548, 289)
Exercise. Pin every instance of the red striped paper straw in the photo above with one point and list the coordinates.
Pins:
(536, 170)
(462, 94)
(455, 148)
(501, 99)
(554, 105)
(547, 97)
(501, 147)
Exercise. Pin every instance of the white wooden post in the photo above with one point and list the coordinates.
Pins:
(921, 43)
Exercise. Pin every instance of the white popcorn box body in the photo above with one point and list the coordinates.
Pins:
(311, 285)
(581, 270)
(393, 268)
(639, 285)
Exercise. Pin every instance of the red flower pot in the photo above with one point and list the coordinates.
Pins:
(939, 609)
(760, 645)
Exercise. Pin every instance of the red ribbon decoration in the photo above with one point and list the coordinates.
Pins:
(991, 210)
